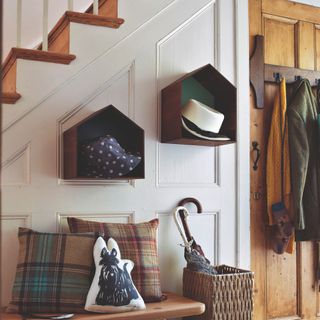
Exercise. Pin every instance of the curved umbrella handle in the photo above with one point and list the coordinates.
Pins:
(192, 200)
(176, 211)
(183, 217)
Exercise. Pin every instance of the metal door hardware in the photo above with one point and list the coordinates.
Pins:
(255, 146)
(257, 195)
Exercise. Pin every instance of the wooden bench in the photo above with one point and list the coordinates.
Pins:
(174, 307)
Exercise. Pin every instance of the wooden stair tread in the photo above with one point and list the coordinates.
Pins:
(93, 19)
(84, 18)
(37, 55)
(10, 97)
(174, 307)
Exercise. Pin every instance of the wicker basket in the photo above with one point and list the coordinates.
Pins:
(227, 296)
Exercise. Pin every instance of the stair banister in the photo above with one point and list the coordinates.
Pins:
(70, 5)
(45, 25)
(96, 7)
(19, 19)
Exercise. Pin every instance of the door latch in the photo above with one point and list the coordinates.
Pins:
(255, 146)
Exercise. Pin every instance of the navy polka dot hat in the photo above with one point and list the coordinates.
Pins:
(103, 157)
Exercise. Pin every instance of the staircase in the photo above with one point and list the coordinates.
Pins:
(58, 44)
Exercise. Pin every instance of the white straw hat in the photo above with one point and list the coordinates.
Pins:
(202, 121)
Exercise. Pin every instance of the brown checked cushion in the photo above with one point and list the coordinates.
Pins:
(137, 242)
(54, 272)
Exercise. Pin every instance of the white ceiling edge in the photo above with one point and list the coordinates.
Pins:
(315, 3)
(32, 20)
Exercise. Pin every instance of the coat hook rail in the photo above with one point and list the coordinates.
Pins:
(272, 73)
(261, 73)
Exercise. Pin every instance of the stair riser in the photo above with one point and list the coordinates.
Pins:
(60, 43)
(9, 80)
(109, 9)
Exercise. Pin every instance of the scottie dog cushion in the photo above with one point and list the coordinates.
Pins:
(112, 289)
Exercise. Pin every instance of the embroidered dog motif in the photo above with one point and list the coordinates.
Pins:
(116, 287)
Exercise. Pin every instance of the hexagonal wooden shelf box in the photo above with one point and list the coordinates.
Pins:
(108, 120)
(211, 88)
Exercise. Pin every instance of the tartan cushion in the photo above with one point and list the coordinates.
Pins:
(54, 272)
(137, 242)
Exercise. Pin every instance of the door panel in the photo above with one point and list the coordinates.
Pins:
(285, 8)
(317, 37)
(281, 285)
(305, 45)
(279, 34)
(285, 284)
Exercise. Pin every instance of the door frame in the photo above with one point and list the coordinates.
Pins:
(243, 132)
(241, 80)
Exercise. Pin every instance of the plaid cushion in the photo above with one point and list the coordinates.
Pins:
(137, 242)
(54, 272)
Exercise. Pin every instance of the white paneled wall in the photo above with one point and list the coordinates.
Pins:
(9, 248)
(110, 217)
(127, 68)
(170, 251)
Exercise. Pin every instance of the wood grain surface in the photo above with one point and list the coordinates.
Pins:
(284, 284)
(175, 306)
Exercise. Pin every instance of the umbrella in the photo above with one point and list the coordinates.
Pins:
(196, 260)
(184, 216)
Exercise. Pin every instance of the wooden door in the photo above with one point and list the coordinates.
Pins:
(285, 284)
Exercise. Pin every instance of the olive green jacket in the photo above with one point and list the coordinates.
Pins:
(305, 160)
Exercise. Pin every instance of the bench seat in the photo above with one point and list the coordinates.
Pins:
(174, 307)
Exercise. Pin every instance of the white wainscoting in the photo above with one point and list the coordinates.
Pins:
(111, 217)
(205, 228)
(153, 48)
(10, 224)
(16, 170)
